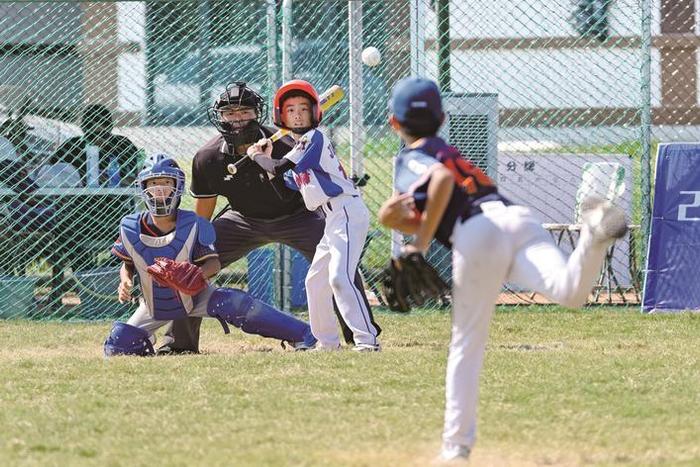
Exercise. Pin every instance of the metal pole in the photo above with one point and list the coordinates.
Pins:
(203, 45)
(645, 91)
(418, 68)
(417, 31)
(285, 254)
(443, 26)
(417, 41)
(271, 48)
(151, 67)
(287, 71)
(357, 131)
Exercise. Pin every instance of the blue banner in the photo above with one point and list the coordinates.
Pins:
(672, 280)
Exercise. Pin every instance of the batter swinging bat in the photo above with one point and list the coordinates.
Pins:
(327, 100)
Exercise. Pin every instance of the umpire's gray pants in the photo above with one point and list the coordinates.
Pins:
(236, 236)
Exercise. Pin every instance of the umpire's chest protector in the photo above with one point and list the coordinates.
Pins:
(163, 302)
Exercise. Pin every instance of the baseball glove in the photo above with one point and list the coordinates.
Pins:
(409, 281)
(178, 275)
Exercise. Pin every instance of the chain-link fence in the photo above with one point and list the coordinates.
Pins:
(556, 99)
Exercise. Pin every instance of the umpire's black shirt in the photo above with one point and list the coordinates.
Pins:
(249, 191)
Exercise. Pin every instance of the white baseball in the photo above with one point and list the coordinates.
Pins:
(371, 56)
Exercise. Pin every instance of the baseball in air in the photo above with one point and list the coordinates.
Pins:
(371, 56)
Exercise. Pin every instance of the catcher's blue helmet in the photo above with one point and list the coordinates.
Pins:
(161, 200)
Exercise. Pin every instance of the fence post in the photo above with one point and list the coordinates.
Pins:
(645, 90)
(443, 27)
(287, 71)
(271, 48)
(203, 46)
(284, 262)
(418, 68)
(417, 42)
(356, 87)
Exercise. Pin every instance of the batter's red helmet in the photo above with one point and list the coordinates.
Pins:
(296, 87)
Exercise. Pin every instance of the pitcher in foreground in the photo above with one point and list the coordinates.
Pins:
(439, 194)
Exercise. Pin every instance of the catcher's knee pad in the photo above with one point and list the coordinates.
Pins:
(234, 306)
(125, 339)
(229, 306)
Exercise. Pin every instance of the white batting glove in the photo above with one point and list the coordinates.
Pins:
(262, 148)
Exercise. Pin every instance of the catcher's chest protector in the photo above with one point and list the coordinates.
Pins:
(163, 302)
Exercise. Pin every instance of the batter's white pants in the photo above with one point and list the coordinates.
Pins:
(332, 272)
(503, 244)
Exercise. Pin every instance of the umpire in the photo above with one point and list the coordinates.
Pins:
(261, 210)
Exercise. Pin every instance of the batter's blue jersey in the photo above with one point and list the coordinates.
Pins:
(414, 168)
(318, 172)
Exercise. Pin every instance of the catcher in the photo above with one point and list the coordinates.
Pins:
(442, 195)
(172, 252)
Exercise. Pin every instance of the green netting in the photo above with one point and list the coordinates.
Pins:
(553, 97)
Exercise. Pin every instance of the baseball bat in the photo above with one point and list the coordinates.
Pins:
(326, 101)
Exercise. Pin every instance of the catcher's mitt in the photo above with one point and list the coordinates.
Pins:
(409, 281)
(178, 275)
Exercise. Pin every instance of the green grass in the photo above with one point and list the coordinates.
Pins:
(594, 387)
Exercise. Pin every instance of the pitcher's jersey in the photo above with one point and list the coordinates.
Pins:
(318, 173)
(413, 170)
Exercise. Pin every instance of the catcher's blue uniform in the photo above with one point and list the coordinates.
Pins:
(192, 239)
(191, 233)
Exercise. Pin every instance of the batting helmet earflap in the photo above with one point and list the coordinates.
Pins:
(290, 88)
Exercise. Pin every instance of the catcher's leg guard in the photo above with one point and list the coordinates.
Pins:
(234, 306)
(125, 339)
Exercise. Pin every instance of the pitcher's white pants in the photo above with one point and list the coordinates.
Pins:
(332, 273)
(503, 244)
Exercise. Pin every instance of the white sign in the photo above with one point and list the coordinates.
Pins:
(549, 184)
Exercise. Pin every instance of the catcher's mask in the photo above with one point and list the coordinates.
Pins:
(294, 88)
(162, 183)
(237, 114)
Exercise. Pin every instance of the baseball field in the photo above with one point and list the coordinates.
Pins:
(604, 386)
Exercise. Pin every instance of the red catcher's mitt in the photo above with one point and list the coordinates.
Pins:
(178, 275)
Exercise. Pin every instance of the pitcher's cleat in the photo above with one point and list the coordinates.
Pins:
(606, 221)
(453, 453)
